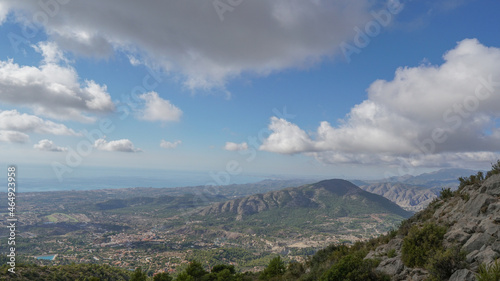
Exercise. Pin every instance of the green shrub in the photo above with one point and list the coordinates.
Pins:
(163, 276)
(275, 268)
(194, 271)
(353, 268)
(220, 267)
(444, 263)
(405, 226)
(471, 180)
(320, 262)
(294, 271)
(464, 196)
(446, 193)
(222, 272)
(495, 169)
(489, 273)
(422, 243)
(391, 253)
(138, 275)
(183, 276)
(479, 178)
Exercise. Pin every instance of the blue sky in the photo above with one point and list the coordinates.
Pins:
(247, 89)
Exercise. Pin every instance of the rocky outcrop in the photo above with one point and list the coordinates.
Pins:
(473, 220)
(262, 202)
(463, 275)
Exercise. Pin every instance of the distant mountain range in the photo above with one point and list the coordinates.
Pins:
(441, 178)
(409, 197)
(414, 193)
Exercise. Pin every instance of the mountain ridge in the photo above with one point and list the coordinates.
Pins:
(414, 193)
(447, 177)
(306, 196)
(412, 198)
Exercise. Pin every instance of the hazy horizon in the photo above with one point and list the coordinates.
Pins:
(361, 89)
(92, 179)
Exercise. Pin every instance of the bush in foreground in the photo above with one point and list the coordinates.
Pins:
(353, 268)
(444, 263)
(275, 268)
(489, 273)
(421, 244)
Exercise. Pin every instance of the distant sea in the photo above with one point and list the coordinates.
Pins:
(161, 179)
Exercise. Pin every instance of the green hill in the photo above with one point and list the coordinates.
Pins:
(330, 206)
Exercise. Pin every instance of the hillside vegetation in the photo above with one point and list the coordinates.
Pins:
(314, 207)
(455, 238)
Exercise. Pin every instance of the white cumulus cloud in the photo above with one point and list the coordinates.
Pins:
(15, 121)
(13, 136)
(203, 46)
(232, 146)
(287, 138)
(441, 112)
(123, 145)
(48, 145)
(168, 145)
(53, 88)
(158, 109)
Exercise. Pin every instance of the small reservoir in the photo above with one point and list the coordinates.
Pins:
(51, 257)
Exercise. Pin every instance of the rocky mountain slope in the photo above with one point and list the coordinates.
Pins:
(339, 195)
(332, 208)
(409, 197)
(470, 219)
(414, 193)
